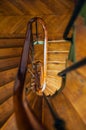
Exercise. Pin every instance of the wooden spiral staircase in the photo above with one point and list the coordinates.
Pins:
(38, 106)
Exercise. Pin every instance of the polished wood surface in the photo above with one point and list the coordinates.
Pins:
(25, 116)
(6, 91)
(81, 42)
(70, 104)
(18, 13)
(75, 91)
(10, 124)
(6, 109)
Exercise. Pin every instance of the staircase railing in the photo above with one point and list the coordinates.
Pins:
(76, 11)
(72, 67)
(25, 117)
(78, 7)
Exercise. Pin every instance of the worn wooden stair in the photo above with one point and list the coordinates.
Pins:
(64, 104)
(69, 104)
(57, 56)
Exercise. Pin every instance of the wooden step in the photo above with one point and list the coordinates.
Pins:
(53, 79)
(57, 67)
(35, 102)
(52, 86)
(10, 52)
(61, 46)
(47, 119)
(8, 63)
(49, 91)
(57, 52)
(10, 124)
(6, 109)
(11, 43)
(37, 107)
(8, 76)
(67, 112)
(52, 72)
(57, 57)
(56, 62)
(6, 91)
(31, 98)
(75, 91)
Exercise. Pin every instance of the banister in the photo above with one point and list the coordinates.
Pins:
(26, 119)
(73, 67)
(78, 7)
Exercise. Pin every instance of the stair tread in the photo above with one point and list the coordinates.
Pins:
(6, 109)
(57, 67)
(57, 57)
(57, 51)
(9, 43)
(75, 91)
(53, 84)
(56, 62)
(7, 76)
(7, 63)
(6, 91)
(10, 123)
(47, 119)
(59, 46)
(10, 52)
(67, 112)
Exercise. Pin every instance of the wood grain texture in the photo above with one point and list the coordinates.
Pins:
(6, 91)
(10, 52)
(6, 109)
(8, 76)
(81, 42)
(36, 7)
(66, 111)
(18, 13)
(11, 43)
(10, 124)
(8, 63)
(47, 118)
(75, 91)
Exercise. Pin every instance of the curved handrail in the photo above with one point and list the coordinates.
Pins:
(24, 115)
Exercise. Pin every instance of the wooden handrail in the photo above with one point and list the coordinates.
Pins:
(26, 119)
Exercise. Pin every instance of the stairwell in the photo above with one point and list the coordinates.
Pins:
(69, 109)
